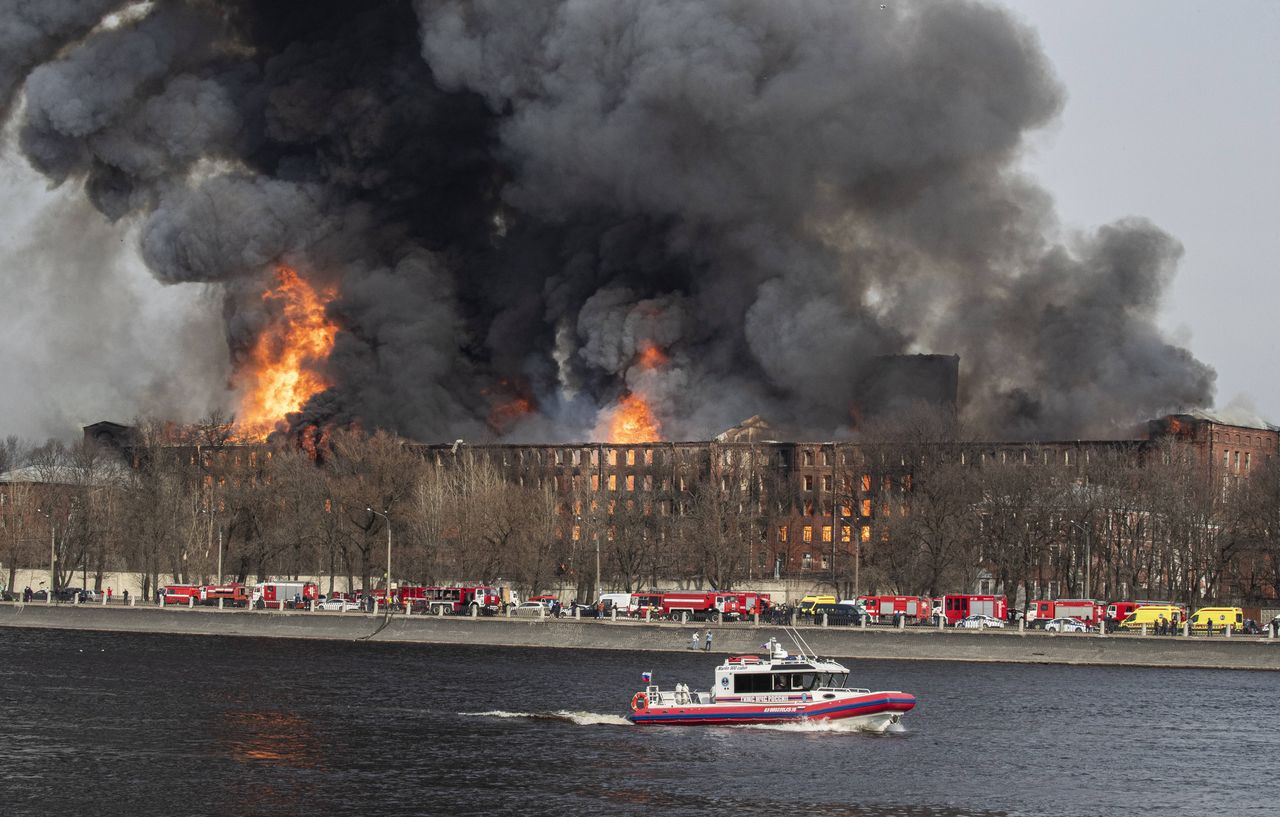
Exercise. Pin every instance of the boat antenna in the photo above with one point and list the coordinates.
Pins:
(805, 650)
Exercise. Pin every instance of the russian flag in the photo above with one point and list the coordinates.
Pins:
(646, 677)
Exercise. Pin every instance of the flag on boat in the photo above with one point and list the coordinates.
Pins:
(646, 677)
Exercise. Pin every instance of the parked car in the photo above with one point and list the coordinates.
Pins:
(1066, 625)
(531, 608)
(337, 605)
(837, 614)
(979, 622)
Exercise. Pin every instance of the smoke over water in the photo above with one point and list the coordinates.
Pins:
(533, 213)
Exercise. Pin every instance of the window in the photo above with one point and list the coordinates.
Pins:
(825, 563)
(806, 533)
(595, 482)
(1236, 467)
(559, 457)
(728, 457)
(808, 508)
(807, 457)
(631, 482)
(648, 482)
(1248, 458)
(631, 456)
(826, 534)
(865, 533)
(782, 533)
(826, 482)
(846, 511)
(866, 482)
(807, 482)
(577, 532)
(866, 507)
(613, 482)
(613, 456)
(648, 456)
(846, 534)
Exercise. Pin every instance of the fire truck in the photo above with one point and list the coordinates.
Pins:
(231, 595)
(641, 602)
(284, 595)
(751, 603)
(956, 607)
(696, 606)
(1044, 611)
(883, 609)
(179, 593)
(455, 600)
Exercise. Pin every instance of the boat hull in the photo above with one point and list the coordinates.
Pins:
(874, 712)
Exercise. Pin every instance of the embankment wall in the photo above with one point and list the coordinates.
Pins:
(1250, 653)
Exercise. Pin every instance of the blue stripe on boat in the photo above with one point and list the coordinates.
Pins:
(636, 717)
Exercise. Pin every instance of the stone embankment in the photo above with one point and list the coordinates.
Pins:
(923, 643)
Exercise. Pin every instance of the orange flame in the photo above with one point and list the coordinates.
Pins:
(651, 357)
(633, 422)
(279, 375)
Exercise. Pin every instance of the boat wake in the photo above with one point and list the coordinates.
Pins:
(564, 716)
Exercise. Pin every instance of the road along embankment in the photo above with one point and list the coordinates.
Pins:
(1008, 646)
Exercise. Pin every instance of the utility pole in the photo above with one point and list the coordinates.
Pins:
(387, 519)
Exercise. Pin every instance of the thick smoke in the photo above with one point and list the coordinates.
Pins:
(516, 200)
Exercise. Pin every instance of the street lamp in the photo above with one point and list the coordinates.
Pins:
(1088, 555)
(53, 555)
(388, 521)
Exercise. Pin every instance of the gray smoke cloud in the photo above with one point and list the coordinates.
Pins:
(515, 200)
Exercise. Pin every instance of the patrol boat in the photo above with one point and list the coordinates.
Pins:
(778, 688)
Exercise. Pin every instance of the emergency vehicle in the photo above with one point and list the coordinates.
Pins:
(231, 595)
(956, 607)
(644, 602)
(460, 600)
(1045, 610)
(284, 595)
(883, 608)
(179, 593)
(700, 606)
(1118, 611)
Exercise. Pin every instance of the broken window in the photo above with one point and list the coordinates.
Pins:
(808, 457)
(846, 534)
(613, 456)
(631, 456)
(631, 482)
(865, 533)
(807, 482)
(613, 482)
(866, 482)
(866, 507)
(826, 482)
(595, 482)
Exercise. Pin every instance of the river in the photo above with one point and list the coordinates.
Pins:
(105, 723)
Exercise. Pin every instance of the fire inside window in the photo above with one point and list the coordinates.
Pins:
(866, 482)
(806, 533)
(865, 533)
(826, 533)
(577, 532)
(613, 482)
(648, 456)
(846, 534)
(866, 507)
(631, 456)
(595, 482)
(782, 533)
(631, 482)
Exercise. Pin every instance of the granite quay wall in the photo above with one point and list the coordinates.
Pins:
(923, 643)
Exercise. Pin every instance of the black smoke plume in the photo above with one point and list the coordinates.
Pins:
(517, 199)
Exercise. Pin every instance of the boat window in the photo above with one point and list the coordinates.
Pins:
(752, 682)
(780, 682)
(802, 680)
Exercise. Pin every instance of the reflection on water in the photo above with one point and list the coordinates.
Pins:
(260, 727)
(282, 738)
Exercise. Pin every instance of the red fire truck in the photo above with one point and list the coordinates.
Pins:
(642, 602)
(231, 595)
(455, 600)
(751, 603)
(882, 609)
(284, 595)
(695, 606)
(956, 607)
(179, 593)
(1043, 611)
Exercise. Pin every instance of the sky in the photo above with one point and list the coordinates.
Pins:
(1173, 113)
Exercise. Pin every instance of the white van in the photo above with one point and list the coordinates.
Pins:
(616, 601)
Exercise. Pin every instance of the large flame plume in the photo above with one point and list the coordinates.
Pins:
(281, 371)
(634, 422)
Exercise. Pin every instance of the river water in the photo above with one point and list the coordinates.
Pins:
(107, 724)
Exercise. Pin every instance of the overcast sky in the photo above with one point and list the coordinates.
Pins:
(1173, 113)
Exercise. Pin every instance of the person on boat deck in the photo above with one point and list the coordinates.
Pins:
(695, 640)
(707, 644)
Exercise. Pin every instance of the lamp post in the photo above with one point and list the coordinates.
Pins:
(1088, 555)
(53, 555)
(388, 521)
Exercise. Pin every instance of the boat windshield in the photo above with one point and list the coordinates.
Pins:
(832, 680)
